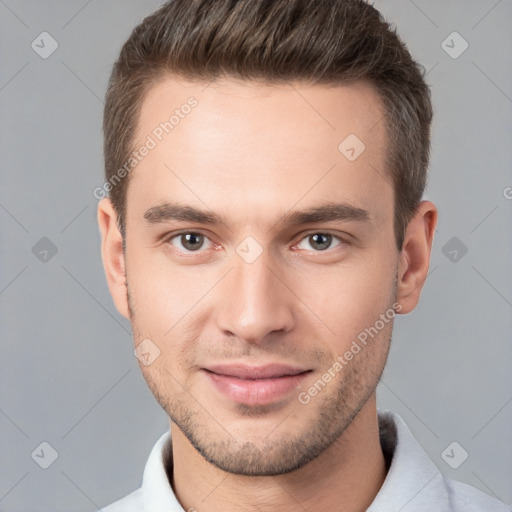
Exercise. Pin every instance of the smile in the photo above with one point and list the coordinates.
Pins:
(255, 385)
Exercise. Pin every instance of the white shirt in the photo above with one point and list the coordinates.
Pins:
(413, 483)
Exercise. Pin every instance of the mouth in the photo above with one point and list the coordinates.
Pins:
(255, 385)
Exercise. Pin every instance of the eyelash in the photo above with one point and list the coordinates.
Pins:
(341, 241)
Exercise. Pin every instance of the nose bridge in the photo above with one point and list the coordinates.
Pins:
(253, 302)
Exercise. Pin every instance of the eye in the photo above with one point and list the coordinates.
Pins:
(189, 241)
(319, 241)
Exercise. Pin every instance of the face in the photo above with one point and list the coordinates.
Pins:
(257, 253)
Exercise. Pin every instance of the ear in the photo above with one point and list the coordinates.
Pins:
(112, 255)
(414, 258)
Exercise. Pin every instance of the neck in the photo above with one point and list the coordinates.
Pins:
(345, 477)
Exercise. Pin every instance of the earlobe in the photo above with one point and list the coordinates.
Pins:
(415, 256)
(112, 255)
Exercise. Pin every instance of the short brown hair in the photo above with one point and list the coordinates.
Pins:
(328, 42)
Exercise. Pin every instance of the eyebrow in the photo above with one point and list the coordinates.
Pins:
(324, 213)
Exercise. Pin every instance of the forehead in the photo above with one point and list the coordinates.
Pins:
(252, 105)
(261, 144)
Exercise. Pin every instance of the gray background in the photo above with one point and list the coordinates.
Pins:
(68, 376)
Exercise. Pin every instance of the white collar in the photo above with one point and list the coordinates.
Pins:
(413, 482)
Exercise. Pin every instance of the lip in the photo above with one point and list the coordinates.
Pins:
(255, 385)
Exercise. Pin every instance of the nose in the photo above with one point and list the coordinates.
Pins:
(253, 301)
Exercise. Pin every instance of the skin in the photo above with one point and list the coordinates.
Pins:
(255, 153)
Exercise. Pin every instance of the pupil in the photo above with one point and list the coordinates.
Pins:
(192, 241)
(322, 244)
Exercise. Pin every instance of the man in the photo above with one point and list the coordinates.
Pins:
(266, 162)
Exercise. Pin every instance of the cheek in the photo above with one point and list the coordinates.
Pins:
(351, 298)
(160, 294)
(166, 310)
